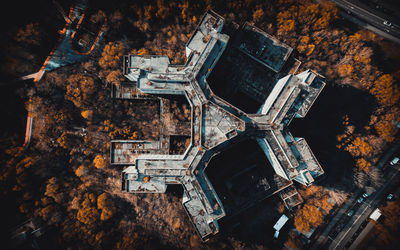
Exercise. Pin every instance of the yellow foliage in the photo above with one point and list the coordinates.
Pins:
(115, 77)
(307, 217)
(101, 201)
(345, 70)
(111, 55)
(386, 130)
(87, 215)
(46, 212)
(106, 206)
(142, 52)
(123, 133)
(99, 162)
(258, 14)
(106, 214)
(81, 171)
(27, 162)
(306, 15)
(385, 91)
(311, 48)
(355, 36)
(345, 121)
(293, 242)
(363, 165)
(305, 39)
(359, 147)
(100, 236)
(87, 114)
(53, 190)
(363, 59)
(176, 223)
(79, 89)
(63, 141)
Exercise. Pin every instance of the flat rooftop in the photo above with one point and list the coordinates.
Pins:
(261, 68)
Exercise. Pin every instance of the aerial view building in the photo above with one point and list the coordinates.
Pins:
(217, 123)
(172, 124)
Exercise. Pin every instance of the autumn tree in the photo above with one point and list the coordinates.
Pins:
(115, 77)
(308, 216)
(359, 147)
(87, 212)
(54, 191)
(111, 57)
(306, 15)
(293, 242)
(99, 162)
(345, 70)
(106, 206)
(385, 91)
(386, 130)
(81, 171)
(258, 14)
(363, 165)
(87, 114)
(80, 90)
(25, 163)
(64, 141)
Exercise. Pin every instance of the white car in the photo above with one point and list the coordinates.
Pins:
(387, 23)
(395, 161)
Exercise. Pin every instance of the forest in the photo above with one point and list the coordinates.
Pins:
(64, 176)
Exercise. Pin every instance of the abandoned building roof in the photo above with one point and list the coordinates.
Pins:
(263, 47)
(216, 124)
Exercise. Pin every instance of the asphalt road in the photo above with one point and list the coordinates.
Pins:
(362, 235)
(364, 211)
(371, 16)
(340, 227)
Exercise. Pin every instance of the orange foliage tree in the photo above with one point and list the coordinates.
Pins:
(359, 147)
(386, 130)
(385, 91)
(106, 206)
(80, 89)
(307, 217)
(112, 55)
(99, 162)
(306, 15)
(345, 70)
(87, 213)
(363, 165)
(54, 191)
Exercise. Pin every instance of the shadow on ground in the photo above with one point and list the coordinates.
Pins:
(324, 122)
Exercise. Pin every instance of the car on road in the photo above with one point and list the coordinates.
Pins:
(389, 24)
(365, 195)
(360, 200)
(350, 213)
(389, 197)
(394, 161)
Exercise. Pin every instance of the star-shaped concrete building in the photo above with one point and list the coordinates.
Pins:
(216, 124)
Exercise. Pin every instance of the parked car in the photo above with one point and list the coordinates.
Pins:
(394, 161)
(389, 197)
(350, 213)
(365, 195)
(387, 23)
(360, 200)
